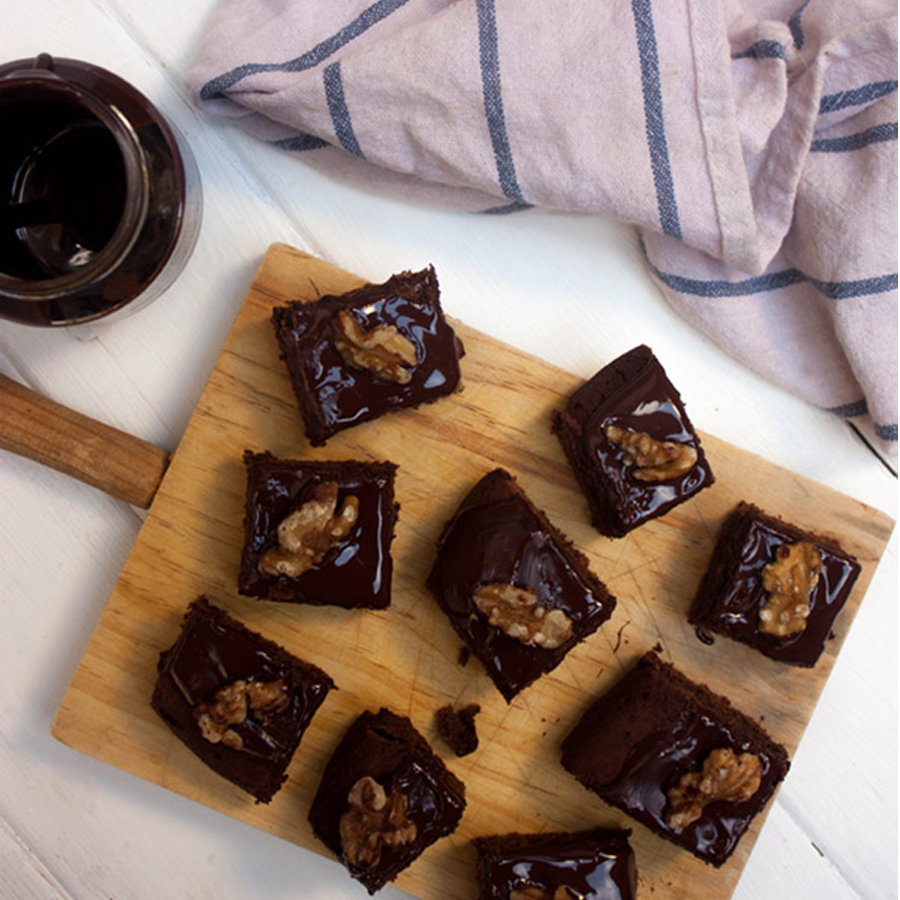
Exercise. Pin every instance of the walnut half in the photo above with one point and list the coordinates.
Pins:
(651, 459)
(231, 706)
(309, 532)
(374, 820)
(516, 612)
(382, 350)
(724, 776)
(789, 581)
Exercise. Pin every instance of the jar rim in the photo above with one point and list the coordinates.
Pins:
(137, 181)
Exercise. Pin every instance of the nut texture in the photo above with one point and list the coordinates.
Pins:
(309, 532)
(373, 821)
(382, 350)
(652, 460)
(789, 580)
(231, 706)
(516, 612)
(724, 776)
(532, 892)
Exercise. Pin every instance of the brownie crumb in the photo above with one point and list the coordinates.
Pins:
(457, 727)
(464, 654)
(619, 636)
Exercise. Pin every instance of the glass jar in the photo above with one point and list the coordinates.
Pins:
(100, 199)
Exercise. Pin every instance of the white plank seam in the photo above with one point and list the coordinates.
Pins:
(26, 877)
(810, 831)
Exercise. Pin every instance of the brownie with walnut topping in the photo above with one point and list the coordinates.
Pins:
(384, 798)
(597, 864)
(355, 356)
(677, 757)
(318, 532)
(774, 586)
(514, 588)
(631, 444)
(237, 700)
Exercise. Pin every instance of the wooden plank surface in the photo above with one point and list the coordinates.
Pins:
(406, 657)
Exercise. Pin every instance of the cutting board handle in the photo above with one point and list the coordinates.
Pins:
(40, 429)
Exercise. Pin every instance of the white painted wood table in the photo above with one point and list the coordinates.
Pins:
(571, 290)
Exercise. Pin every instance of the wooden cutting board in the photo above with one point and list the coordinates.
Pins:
(407, 657)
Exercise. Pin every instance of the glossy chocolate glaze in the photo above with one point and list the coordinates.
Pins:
(731, 607)
(212, 652)
(334, 394)
(651, 728)
(592, 865)
(386, 747)
(647, 402)
(656, 764)
(356, 572)
(498, 536)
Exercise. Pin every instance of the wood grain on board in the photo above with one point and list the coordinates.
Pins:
(407, 657)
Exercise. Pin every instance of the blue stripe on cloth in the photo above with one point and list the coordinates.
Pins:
(505, 210)
(861, 408)
(857, 96)
(653, 115)
(699, 288)
(337, 106)
(299, 143)
(493, 99)
(772, 281)
(850, 410)
(877, 134)
(372, 15)
(844, 290)
(794, 25)
(762, 50)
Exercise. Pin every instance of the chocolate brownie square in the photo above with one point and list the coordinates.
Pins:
(593, 864)
(356, 356)
(774, 586)
(676, 757)
(384, 798)
(631, 444)
(318, 532)
(514, 588)
(236, 699)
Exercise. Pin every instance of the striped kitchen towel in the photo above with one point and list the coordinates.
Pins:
(752, 142)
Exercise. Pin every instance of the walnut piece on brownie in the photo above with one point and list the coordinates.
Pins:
(384, 798)
(676, 757)
(354, 357)
(631, 444)
(514, 587)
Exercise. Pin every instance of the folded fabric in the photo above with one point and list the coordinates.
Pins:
(753, 144)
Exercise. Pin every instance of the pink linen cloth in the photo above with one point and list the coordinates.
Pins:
(753, 143)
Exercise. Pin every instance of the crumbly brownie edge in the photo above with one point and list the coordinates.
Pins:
(314, 426)
(602, 511)
(607, 382)
(721, 561)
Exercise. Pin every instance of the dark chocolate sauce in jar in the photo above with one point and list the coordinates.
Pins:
(100, 201)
